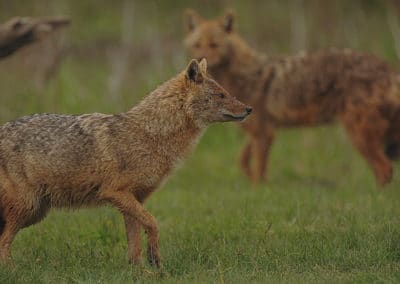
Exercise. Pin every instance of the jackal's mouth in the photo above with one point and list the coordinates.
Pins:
(235, 117)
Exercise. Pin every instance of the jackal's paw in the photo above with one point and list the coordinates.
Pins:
(247, 171)
(153, 256)
(6, 259)
(385, 177)
(135, 261)
(258, 179)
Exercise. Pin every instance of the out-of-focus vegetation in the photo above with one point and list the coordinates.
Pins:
(116, 51)
(320, 217)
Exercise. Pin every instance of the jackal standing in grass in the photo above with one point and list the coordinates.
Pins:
(49, 160)
(359, 90)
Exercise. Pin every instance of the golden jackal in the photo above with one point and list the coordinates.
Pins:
(50, 160)
(357, 89)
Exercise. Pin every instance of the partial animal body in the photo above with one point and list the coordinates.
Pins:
(19, 32)
(359, 90)
(51, 161)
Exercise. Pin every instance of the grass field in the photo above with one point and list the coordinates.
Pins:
(319, 218)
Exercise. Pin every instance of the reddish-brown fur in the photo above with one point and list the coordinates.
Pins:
(50, 161)
(357, 89)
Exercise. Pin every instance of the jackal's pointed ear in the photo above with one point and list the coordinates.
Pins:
(228, 21)
(203, 65)
(193, 72)
(191, 19)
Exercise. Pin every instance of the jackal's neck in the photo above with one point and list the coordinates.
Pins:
(242, 70)
(162, 115)
(243, 56)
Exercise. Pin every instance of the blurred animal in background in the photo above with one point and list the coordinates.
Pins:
(19, 32)
(45, 56)
(307, 89)
(49, 161)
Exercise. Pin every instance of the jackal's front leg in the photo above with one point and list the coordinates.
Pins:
(129, 206)
(260, 147)
(245, 160)
(134, 239)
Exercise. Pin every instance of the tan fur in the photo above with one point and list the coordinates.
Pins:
(49, 161)
(307, 89)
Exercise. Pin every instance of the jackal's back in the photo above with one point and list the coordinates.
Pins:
(49, 149)
(313, 88)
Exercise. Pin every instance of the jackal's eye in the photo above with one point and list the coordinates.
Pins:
(213, 45)
(197, 45)
(221, 95)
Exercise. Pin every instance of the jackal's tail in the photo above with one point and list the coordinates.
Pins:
(392, 151)
(392, 146)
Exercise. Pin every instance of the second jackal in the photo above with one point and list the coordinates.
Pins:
(359, 90)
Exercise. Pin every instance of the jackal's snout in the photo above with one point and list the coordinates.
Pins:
(236, 110)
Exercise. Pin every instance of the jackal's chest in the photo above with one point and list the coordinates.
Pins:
(145, 165)
(147, 170)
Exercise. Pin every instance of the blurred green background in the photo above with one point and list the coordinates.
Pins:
(116, 51)
(319, 218)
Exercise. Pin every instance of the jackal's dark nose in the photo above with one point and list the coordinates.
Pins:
(249, 110)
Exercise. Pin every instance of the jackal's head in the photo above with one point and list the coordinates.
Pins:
(206, 100)
(209, 39)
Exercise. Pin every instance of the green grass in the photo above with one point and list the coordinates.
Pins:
(319, 218)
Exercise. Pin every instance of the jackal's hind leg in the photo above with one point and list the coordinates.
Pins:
(12, 223)
(367, 135)
(373, 153)
(261, 146)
